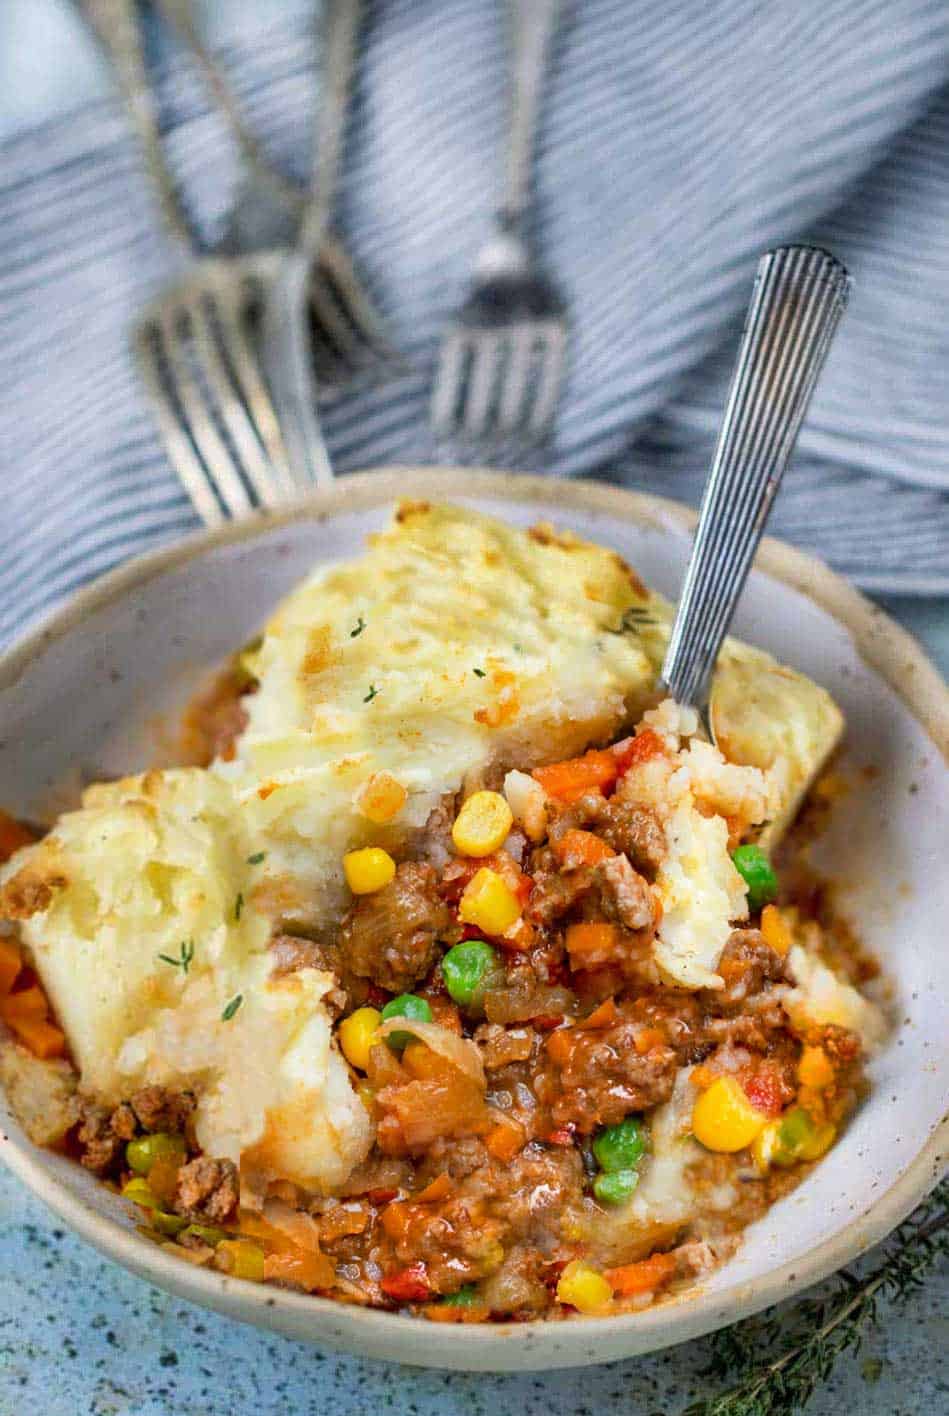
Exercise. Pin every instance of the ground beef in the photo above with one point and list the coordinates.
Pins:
(633, 831)
(215, 719)
(602, 1078)
(747, 964)
(157, 1109)
(391, 937)
(100, 1147)
(625, 896)
(207, 1190)
(555, 892)
(291, 953)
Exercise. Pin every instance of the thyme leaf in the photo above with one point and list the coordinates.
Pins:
(232, 1008)
(360, 626)
(373, 693)
(238, 905)
(478, 673)
(768, 1381)
(257, 857)
(183, 961)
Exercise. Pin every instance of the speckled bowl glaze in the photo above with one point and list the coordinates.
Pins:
(85, 696)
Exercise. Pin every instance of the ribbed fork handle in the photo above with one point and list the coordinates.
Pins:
(116, 26)
(799, 296)
(533, 25)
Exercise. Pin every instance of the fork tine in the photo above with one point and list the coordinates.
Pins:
(362, 313)
(449, 382)
(553, 347)
(232, 310)
(487, 354)
(211, 447)
(347, 346)
(191, 471)
(231, 410)
(515, 387)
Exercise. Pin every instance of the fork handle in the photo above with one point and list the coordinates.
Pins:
(799, 296)
(533, 23)
(341, 20)
(179, 14)
(116, 26)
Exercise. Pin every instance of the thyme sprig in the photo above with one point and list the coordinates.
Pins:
(183, 961)
(778, 1360)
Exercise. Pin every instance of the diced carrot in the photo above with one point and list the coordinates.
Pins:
(765, 1093)
(646, 1039)
(642, 1277)
(42, 1038)
(395, 1219)
(560, 1045)
(438, 1189)
(575, 848)
(570, 780)
(304, 1267)
(505, 1140)
(603, 1017)
(590, 943)
(637, 749)
(456, 1312)
(26, 1003)
(11, 962)
(13, 835)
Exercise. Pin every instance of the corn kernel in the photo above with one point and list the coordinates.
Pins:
(488, 903)
(482, 824)
(763, 1147)
(723, 1118)
(814, 1069)
(240, 1259)
(356, 1034)
(584, 1288)
(381, 799)
(368, 870)
(776, 933)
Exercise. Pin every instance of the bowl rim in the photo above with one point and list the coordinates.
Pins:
(883, 645)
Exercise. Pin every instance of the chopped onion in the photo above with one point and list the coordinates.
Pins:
(457, 1050)
(299, 1228)
(525, 998)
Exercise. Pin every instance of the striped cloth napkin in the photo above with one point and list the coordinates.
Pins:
(679, 140)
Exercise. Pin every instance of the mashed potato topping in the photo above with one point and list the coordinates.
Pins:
(145, 937)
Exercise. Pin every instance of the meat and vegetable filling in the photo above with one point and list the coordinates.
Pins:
(454, 975)
(559, 1124)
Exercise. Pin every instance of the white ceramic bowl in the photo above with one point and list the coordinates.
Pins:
(84, 697)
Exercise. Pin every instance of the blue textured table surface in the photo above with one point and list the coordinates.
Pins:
(78, 1335)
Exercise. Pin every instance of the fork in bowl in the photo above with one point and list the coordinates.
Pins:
(503, 357)
(195, 342)
(347, 337)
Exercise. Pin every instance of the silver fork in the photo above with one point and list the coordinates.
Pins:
(347, 337)
(503, 357)
(289, 351)
(799, 296)
(194, 343)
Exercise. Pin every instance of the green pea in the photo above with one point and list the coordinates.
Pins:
(465, 969)
(142, 1153)
(620, 1147)
(466, 1297)
(755, 869)
(407, 1005)
(616, 1187)
(171, 1224)
(794, 1133)
(138, 1192)
(207, 1233)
